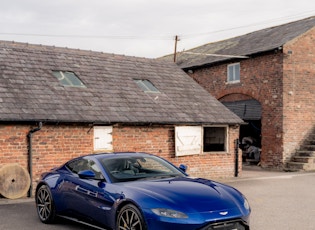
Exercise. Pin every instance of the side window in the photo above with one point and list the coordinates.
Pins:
(233, 73)
(78, 165)
(84, 164)
(93, 166)
(214, 139)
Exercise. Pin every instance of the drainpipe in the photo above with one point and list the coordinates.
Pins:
(30, 155)
(236, 144)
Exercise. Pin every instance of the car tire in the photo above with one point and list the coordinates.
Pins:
(129, 217)
(45, 205)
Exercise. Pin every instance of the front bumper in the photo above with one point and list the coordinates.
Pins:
(236, 224)
(227, 225)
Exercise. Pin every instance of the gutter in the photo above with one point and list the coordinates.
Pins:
(218, 59)
(30, 155)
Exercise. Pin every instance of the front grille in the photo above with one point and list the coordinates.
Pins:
(227, 225)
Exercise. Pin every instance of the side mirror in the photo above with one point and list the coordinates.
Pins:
(86, 174)
(183, 168)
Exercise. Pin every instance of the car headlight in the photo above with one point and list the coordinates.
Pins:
(169, 213)
(246, 204)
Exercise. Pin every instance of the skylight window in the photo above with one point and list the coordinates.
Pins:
(146, 86)
(67, 78)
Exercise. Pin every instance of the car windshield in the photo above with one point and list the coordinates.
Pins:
(129, 168)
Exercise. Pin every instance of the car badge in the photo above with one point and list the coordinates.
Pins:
(223, 213)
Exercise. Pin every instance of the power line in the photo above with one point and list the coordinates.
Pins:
(127, 37)
(156, 37)
(292, 17)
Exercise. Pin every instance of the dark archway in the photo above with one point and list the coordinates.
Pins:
(250, 111)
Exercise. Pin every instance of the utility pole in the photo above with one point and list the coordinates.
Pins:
(175, 50)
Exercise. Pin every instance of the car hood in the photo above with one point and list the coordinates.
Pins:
(186, 194)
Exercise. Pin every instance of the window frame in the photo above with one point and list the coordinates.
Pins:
(225, 139)
(235, 75)
(146, 85)
(66, 80)
(195, 137)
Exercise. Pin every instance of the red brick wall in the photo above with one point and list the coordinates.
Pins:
(155, 139)
(55, 144)
(260, 79)
(52, 145)
(283, 82)
(299, 91)
(13, 144)
(160, 141)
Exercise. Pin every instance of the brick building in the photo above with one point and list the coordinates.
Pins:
(59, 103)
(268, 78)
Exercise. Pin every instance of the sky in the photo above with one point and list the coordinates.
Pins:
(142, 28)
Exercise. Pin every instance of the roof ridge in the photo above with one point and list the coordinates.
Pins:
(263, 40)
(59, 49)
(252, 32)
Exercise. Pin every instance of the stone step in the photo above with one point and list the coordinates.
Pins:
(298, 166)
(304, 159)
(305, 153)
(310, 141)
(311, 138)
(307, 147)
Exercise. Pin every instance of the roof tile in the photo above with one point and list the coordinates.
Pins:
(248, 44)
(29, 91)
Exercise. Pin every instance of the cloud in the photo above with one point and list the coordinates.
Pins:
(140, 27)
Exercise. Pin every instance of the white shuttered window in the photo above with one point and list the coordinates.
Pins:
(188, 140)
(103, 139)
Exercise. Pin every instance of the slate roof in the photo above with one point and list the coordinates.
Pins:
(246, 109)
(245, 45)
(29, 91)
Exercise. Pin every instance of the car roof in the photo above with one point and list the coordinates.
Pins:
(115, 154)
(109, 155)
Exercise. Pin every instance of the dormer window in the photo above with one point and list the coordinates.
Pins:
(146, 86)
(67, 78)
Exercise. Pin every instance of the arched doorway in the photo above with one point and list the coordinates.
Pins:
(250, 111)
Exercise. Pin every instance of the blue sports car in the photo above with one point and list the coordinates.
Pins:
(137, 191)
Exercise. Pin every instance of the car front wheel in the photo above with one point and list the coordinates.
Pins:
(130, 218)
(45, 205)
